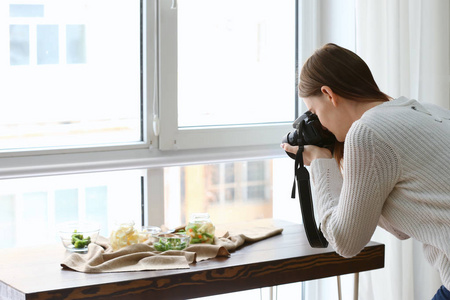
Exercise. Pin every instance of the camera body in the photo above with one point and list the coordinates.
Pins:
(309, 131)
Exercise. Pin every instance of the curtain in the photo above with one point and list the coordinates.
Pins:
(406, 45)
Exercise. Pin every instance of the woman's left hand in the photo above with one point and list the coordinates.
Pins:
(310, 152)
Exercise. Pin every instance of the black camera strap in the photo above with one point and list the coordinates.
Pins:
(314, 234)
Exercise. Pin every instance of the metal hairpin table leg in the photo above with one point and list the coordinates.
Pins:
(356, 286)
(339, 287)
(303, 290)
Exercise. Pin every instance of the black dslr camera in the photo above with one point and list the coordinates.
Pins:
(309, 131)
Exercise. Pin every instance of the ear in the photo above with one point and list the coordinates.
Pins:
(330, 95)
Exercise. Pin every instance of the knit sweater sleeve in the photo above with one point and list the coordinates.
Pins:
(350, 205)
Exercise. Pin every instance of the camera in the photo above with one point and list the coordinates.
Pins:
(309, 131)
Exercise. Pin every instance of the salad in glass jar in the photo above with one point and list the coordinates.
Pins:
(200, 229)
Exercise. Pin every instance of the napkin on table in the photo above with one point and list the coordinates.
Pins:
(140, 257)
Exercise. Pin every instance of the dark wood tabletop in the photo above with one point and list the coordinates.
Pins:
(35, 273)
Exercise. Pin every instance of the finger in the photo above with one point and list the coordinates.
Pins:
(289, 148)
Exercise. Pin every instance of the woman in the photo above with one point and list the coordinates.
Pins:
(394, 170)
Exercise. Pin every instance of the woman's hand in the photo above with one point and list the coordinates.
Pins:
(310, 152)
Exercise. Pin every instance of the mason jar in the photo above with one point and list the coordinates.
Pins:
(200, 228)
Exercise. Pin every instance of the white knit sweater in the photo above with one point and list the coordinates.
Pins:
(396, 174)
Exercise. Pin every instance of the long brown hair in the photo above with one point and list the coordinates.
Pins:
(345, 73)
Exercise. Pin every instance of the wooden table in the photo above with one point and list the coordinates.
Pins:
(35, 273)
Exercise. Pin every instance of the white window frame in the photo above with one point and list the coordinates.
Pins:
(174, 138)
(173, 146)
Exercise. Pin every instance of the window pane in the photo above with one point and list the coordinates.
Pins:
(66, 204)
(47, 44)
(7, 219)
(236, 62)
(256, 190)
(219, 189)
(97, 203)
(19, 43)
(42, 203)
(26, 10)
(76, 44)
(34, 215)
(74, 75)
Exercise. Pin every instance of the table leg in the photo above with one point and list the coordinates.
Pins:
(268, 293)
(339, 287)
(356, 287)
(303, 290)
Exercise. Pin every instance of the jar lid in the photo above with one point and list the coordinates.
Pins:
(200, 216)
(151, 229)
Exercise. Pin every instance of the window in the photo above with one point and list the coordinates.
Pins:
(220, 86)
(19, 44)
(76, 44)
(95, 87)
(234, 65)
(231, 192)
(31, 208)
(74, 74)
(234, 80)
(47, 44)
(102, 95)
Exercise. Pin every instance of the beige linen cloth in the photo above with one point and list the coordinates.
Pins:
(141, 257)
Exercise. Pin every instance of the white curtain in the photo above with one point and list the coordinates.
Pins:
(406, 45)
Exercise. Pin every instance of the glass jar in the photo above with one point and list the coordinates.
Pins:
(124, 234)
(148, 234)
(200, 229)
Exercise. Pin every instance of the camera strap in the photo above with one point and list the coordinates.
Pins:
(314, 234)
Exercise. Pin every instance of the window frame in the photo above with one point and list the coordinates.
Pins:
(174, 138)
(33, 24)
(36, 151)
(157, 148)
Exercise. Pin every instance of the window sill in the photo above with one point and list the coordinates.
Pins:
(71, 163)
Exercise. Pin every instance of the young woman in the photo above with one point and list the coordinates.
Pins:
(391, 166)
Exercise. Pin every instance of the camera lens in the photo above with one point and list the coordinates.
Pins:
(290, 138)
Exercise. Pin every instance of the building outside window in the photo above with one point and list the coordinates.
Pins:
(240, 191)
